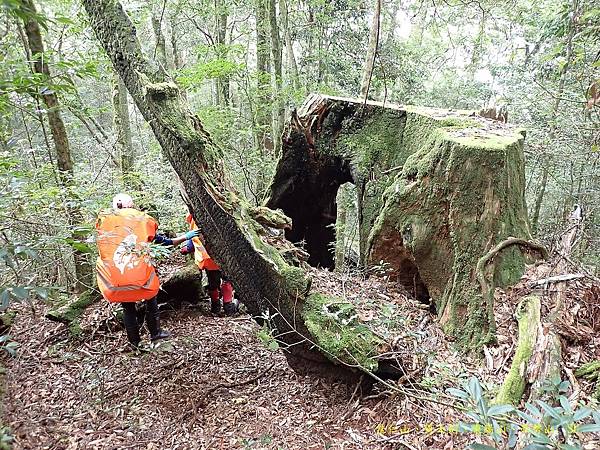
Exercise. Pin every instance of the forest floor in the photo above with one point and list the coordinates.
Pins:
(217, 385)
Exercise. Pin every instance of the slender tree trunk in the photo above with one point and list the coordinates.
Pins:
(554, 115)
(539, 198)
(263, 117)
(160, 49)
(289, 47)
(263, 69)
(222, 83)
(478, 45)
(367, 73)
(83, 268)
(278, 109)
(122, 129)
(177, 60)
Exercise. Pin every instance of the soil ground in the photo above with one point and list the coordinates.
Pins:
(217, 385)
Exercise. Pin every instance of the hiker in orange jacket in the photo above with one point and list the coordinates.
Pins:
(219, 287)
(125, 270)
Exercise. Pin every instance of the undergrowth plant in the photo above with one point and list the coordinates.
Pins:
(540, 425)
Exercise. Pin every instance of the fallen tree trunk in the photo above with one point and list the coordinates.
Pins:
(268, 285)
(528, 316)
(70, 312)
(591, 372)
(538, 357)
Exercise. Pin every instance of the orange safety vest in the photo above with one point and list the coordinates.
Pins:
(201, 256)
(124, 269)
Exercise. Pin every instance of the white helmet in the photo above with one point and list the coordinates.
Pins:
(122, 201)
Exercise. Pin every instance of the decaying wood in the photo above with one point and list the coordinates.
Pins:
(528, 316)
(557, 279)
(267, 284)
(547, 359)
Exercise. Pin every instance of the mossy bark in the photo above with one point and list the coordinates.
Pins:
(528, 316)
(184, 285)
(70, 312)
(591, 371)
(459, 194)
(329, 142)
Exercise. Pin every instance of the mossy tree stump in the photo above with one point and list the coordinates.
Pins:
(436, 190)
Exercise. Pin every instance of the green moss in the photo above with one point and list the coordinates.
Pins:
(458, 122)
(7, 318)
(374, 142)
(296, 279)
(528, 315)
(332, 322)
(69, 313)
(458, 195)
(591, 371)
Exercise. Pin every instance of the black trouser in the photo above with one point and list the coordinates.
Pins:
(214, 279)
(132, 325)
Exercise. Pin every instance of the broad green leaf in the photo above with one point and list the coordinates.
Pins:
(589, 428)
(457, 393)
(582, 413)
(497, 410)
(554, 412)
(19, 292)
(481, 447)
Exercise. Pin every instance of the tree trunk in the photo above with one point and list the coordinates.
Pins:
(177, 58)
(83, 268)
(367, 73)
(292, 67)
(268, 285)
(263, 71)
(160, 48)
(221, 34)
(554, 114)
(278, 110)
(122, 128)
(540, 197)
(342, 200)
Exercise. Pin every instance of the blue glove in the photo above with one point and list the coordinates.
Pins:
(192, 234)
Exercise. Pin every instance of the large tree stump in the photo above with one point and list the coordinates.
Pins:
(436, 191)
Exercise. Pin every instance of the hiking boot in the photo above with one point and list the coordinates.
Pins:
(162, 334)
(215, 306)
(230, 308)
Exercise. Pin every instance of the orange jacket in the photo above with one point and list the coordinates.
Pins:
(201, 256)
(124, 269)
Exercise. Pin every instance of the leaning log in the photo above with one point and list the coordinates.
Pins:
(270, 286)
(528, 316)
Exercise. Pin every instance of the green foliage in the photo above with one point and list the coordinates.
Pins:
(265, 335)
(214, 62)
(540, 425)
(8, 345)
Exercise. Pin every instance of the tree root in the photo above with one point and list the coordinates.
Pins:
(485, 260)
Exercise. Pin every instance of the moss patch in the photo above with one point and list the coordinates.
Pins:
(460, 192)
(528, 316)
(333, 324)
